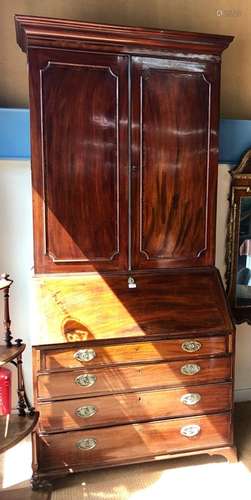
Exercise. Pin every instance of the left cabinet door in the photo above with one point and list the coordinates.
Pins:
(79, 137)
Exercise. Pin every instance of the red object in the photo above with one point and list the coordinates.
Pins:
(5, 391)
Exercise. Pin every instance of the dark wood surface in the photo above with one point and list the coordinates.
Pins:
(131, 442)
(124, 134)
(7, 354)
(174, 184)
(17, 428)
(79, 226)
(135, 407)
(41, 31)
(228, 452)
(61, 384)
(168, 200)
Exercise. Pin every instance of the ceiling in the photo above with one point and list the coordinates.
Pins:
(231, 17)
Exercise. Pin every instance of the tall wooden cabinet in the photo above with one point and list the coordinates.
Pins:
(133, 341)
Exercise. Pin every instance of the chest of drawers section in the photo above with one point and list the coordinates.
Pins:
(104, 404)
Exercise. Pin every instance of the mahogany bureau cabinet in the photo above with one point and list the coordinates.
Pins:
(133, 342)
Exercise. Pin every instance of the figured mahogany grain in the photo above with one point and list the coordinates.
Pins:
(90, 126)
(90, 307)
(134, 407)
(174, 122)
(134, 353)
(171, 116)
(130, 442)
(79, 160)
(130, 378)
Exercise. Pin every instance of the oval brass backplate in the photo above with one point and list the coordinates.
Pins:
(190, 430)
(190, 369)
(86, 411)
(86, 380)
(191, 398)
(86, 444)
(191, 346)
(84, 355)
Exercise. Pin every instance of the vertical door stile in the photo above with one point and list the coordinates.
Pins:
(129, 165)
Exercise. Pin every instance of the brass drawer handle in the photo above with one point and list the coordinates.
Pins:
(190, 369)
(190, 430)
(191, 346)
(86, 444)
(191, 398)
(86, 411)
(85, 355)
(86, 380)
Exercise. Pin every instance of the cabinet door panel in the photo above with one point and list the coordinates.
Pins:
(80, 179)
(172, 167)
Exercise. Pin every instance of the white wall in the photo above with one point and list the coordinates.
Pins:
(16, 255)
(16, 259)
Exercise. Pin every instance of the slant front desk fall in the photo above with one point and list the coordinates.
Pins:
(132, 342)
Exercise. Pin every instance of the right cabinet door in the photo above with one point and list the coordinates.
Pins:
(174, 162)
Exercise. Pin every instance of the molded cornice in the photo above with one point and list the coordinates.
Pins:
(60, 33)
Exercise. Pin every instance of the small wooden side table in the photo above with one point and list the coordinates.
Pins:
(19, 424)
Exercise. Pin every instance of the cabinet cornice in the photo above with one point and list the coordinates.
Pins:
(48, 32)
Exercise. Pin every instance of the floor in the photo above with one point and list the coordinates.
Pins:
(200, 477)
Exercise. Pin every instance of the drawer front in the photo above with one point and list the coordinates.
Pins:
(130, 378)
(133, 353)
(128, 443)
(137, 406)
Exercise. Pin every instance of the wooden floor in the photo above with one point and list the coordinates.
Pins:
(153, 480)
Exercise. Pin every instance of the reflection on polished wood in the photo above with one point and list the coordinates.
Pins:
(17, 429)
(115, 445)
(171, 207)
(135, 407)
(61, 383)
(140, 352)
(170, 136)
(89, 307)
(124, 125)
